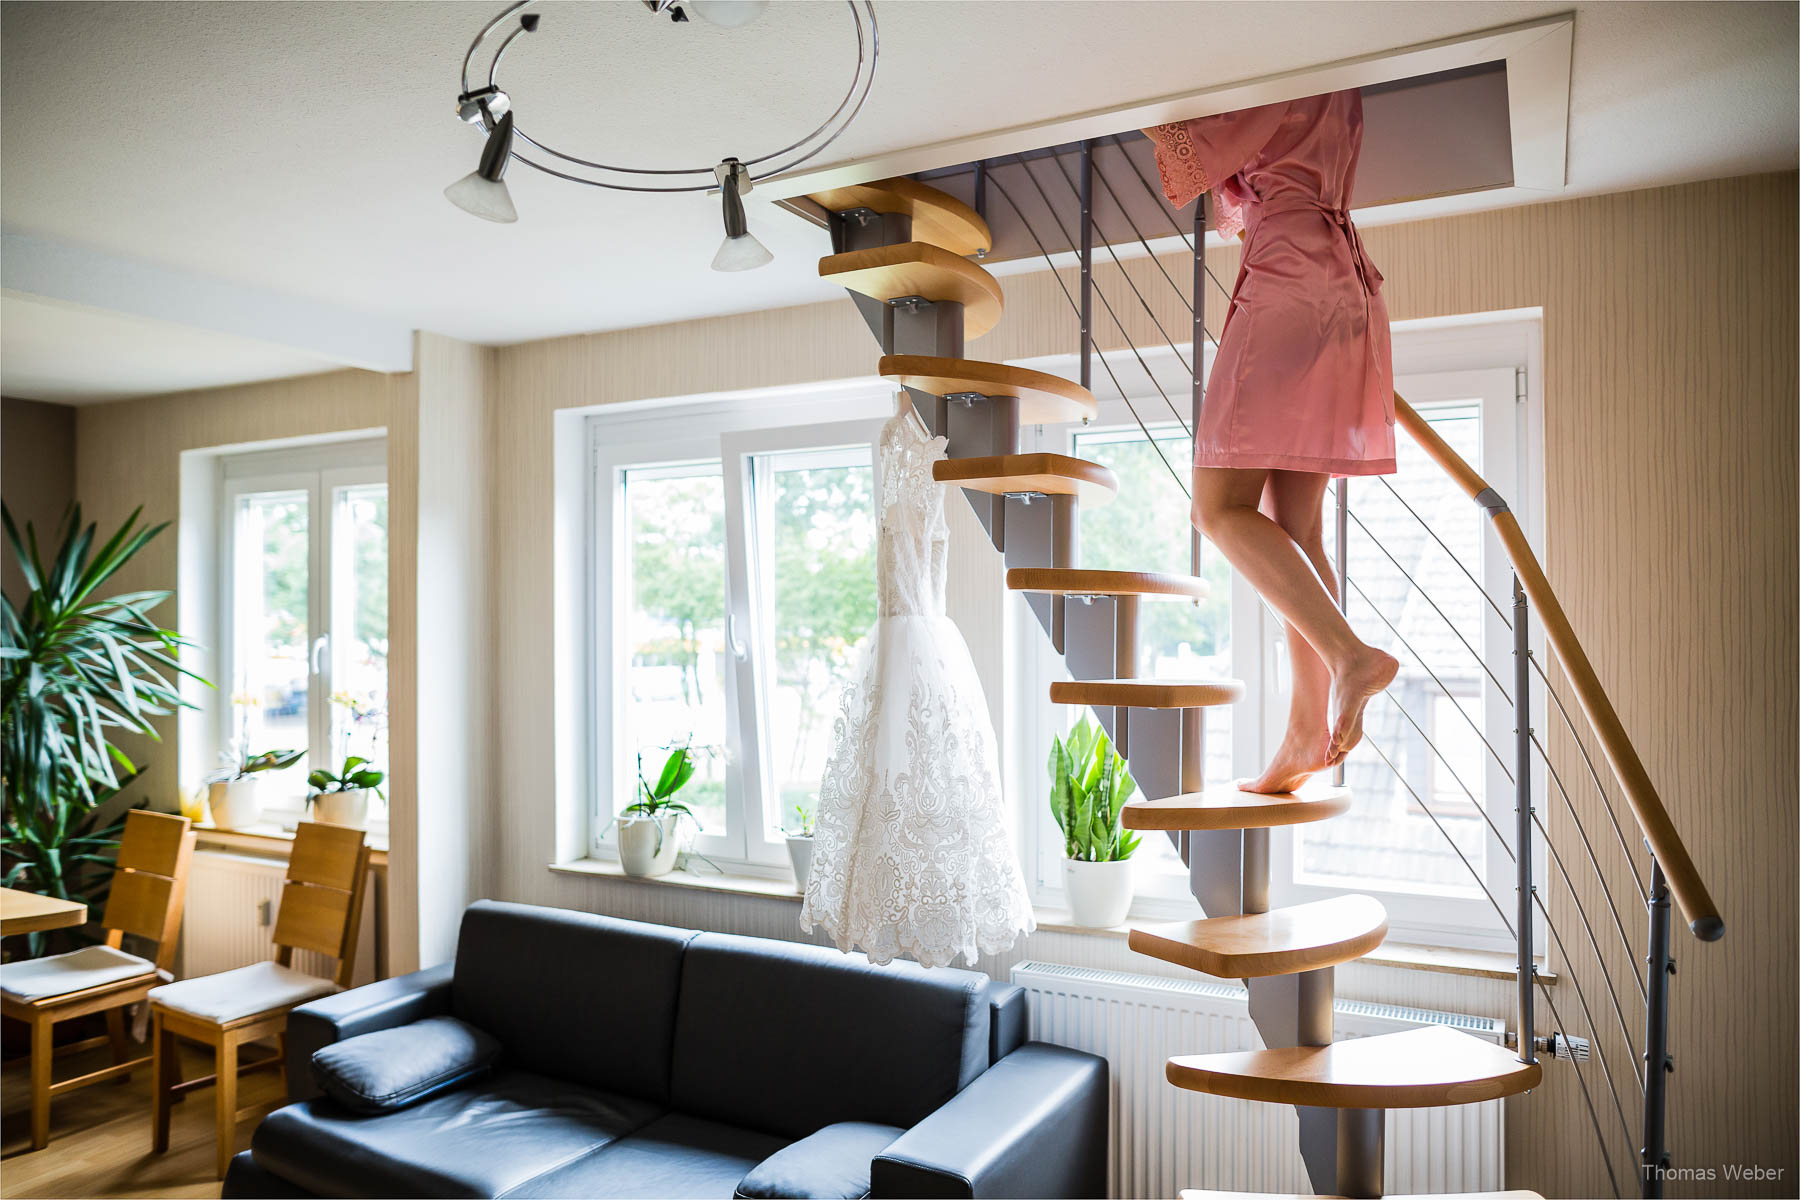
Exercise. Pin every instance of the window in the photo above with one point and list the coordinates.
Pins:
(1446, 707)
(303, 606)
(1437, 749)
(733, 587)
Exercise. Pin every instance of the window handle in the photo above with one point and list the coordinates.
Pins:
(320, 646)
(733, 642)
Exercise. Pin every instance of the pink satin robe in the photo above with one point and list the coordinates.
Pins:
(1304, 377)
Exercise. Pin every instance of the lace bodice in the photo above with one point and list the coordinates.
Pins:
(912, 538)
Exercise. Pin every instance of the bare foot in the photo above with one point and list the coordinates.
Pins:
(1351, 690)
(1299, 759)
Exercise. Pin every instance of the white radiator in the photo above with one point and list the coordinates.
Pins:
(1165, 1139)
(229, 918)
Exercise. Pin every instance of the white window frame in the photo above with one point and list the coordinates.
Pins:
(1434, 359)
(733, 430)
(317, 472)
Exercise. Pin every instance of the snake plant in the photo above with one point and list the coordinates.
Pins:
(1089, 785)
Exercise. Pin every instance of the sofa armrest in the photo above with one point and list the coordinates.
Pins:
(381, 1005)
(1033, 1124)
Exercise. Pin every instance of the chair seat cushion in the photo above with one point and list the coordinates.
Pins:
(832, 1163)
(392, 1068)
(487, 1139)
(76, 971)
(229, 995)
(675, 1157)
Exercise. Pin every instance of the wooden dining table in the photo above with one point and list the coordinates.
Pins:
(28, 912)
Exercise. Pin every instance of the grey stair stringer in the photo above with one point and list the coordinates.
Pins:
(1164, 747)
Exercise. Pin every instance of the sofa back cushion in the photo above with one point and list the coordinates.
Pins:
(788, 1038)
(577, 997)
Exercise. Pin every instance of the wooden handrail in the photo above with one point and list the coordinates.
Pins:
(1665, 843)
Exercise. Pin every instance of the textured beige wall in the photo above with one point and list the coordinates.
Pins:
(1670, 384)
(37, 473)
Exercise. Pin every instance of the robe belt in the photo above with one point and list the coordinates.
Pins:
(1365, 267)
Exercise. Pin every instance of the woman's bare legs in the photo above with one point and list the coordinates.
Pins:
(1293, 499)
(1226, 508)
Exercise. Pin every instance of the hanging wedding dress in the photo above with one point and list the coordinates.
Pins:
(912, 854)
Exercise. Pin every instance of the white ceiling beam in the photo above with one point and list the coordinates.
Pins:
(52, 270)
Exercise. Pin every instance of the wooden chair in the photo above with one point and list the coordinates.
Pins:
(148, 886)
(321, 910)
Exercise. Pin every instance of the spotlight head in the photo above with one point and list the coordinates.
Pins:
(739, 251)
(483, 192)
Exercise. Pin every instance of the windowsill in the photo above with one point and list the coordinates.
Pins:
(1484, 964)
(271, 840)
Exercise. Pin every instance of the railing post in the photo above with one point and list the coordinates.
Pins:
(1199, 353)
(1341, 548)
(1087, 264)
(1522, 811)
(1657, 1063)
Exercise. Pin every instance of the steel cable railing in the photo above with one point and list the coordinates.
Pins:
(1530, 736)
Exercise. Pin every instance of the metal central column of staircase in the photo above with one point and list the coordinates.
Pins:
(903, 251)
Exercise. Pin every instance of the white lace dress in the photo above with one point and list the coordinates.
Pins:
(912, 854)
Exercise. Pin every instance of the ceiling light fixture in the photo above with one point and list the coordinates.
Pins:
(483, 104)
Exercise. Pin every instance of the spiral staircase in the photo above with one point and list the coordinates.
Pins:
(904, 254)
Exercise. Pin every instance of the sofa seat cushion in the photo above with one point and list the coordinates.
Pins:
(231, 995)
(392, 1068)
(483, 1140)
(78, 970)
(675, 1157)
(832, 1164)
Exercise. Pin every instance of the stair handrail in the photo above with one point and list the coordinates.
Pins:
(1652, 818)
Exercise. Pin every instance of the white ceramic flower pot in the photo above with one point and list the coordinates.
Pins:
(234, 803)
(1099, 892)
(800, 854)
(649, 845)
(342, 808)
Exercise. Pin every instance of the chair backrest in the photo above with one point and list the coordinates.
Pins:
(150, 881)
(322, 900)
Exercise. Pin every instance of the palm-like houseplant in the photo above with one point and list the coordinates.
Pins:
(1089, 785)
(76, 669)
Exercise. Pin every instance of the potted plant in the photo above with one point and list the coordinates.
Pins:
(650, 829)
(343, 798)
(1089, 785)
(800, 846)
(231, 792)
(77, 668)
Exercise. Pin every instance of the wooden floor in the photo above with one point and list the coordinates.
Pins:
(100, 1136)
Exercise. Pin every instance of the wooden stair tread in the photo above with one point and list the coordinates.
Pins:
(1227, 807)
(937, 217)
(1416, 1068)
(1077, 581)
(1197, 1194)
(919, 269)
(1044, 399)
(1284, 941)
(1010, 474)
(1147, 693)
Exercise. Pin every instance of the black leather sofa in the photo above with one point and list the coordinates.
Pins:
(641, 1060)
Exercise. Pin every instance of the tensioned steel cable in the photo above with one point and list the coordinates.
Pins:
(1498, 612)
(1598, 1050)
(1119, 263)
(1434, 605)
(1605, 888)
(1057, 275)
(1100, 295)
(1594, 774)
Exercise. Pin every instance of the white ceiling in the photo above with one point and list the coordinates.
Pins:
(299, 150)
